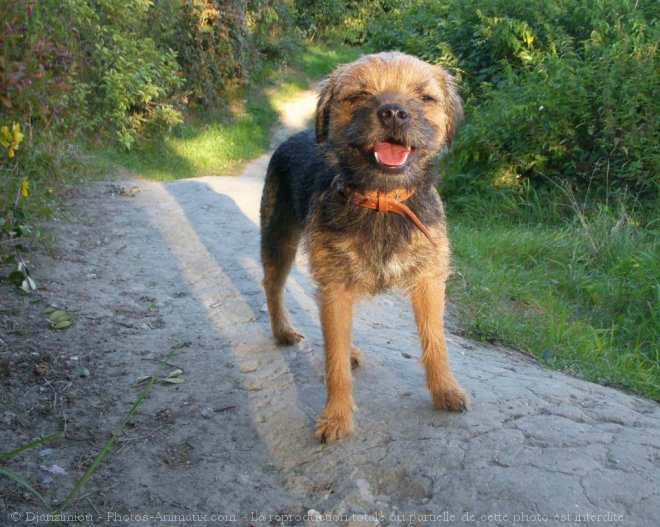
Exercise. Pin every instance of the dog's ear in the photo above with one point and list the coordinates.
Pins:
(326, 89)
(453, 103)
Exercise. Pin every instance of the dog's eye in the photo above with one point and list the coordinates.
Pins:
(428, 98)
(355, 97)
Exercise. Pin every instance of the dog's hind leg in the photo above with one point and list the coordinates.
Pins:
(280, 235)
(357, 358)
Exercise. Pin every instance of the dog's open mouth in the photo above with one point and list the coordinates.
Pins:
(389, 154)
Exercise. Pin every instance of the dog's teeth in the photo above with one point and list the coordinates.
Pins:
(376, 156)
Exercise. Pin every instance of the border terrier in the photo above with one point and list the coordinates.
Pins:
(360, 190)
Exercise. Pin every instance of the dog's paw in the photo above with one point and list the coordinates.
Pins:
(357, 358)
(453, 399)
(288, 337)
(332, 427)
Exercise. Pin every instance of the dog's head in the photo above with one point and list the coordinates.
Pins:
(385, 116)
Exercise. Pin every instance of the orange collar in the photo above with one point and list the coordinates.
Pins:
(391, 201)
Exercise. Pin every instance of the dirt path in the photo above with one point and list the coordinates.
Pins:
(177, 265)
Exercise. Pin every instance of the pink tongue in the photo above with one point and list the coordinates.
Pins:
(391, 153)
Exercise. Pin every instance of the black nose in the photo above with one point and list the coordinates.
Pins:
(393, 115)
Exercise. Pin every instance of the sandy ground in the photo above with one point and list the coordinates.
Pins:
(175, 265)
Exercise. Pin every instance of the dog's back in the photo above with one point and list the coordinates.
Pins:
(296, 171)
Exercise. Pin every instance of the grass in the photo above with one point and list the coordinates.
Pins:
(220, 143)
(582, 296)
(201, 146)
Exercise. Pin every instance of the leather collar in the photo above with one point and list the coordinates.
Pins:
(391, 201)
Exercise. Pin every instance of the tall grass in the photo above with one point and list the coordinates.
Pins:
(581, 293)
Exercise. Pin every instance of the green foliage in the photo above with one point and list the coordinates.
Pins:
(36, 67)
(344, 21)
(123, 70)
(559, 150)
(272, 29)
(219, 44)
(130, 78)
(109, 79)
(210, 45)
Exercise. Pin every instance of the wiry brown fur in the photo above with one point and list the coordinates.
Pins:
(355, 252)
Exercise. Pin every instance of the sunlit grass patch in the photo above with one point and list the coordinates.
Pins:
(203, 145)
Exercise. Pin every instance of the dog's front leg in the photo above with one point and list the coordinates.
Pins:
(336, 309)
(428, 299)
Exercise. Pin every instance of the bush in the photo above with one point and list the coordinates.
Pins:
(220, 43)
(37, 69)
(344, 21)
(83, 67)
(271, 24)
(210, 46)
(131, 80)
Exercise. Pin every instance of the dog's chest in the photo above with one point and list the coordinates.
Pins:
(375, 265)
(369, 264)
(371, 251)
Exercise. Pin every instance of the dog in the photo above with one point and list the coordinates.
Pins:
(360, 191)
